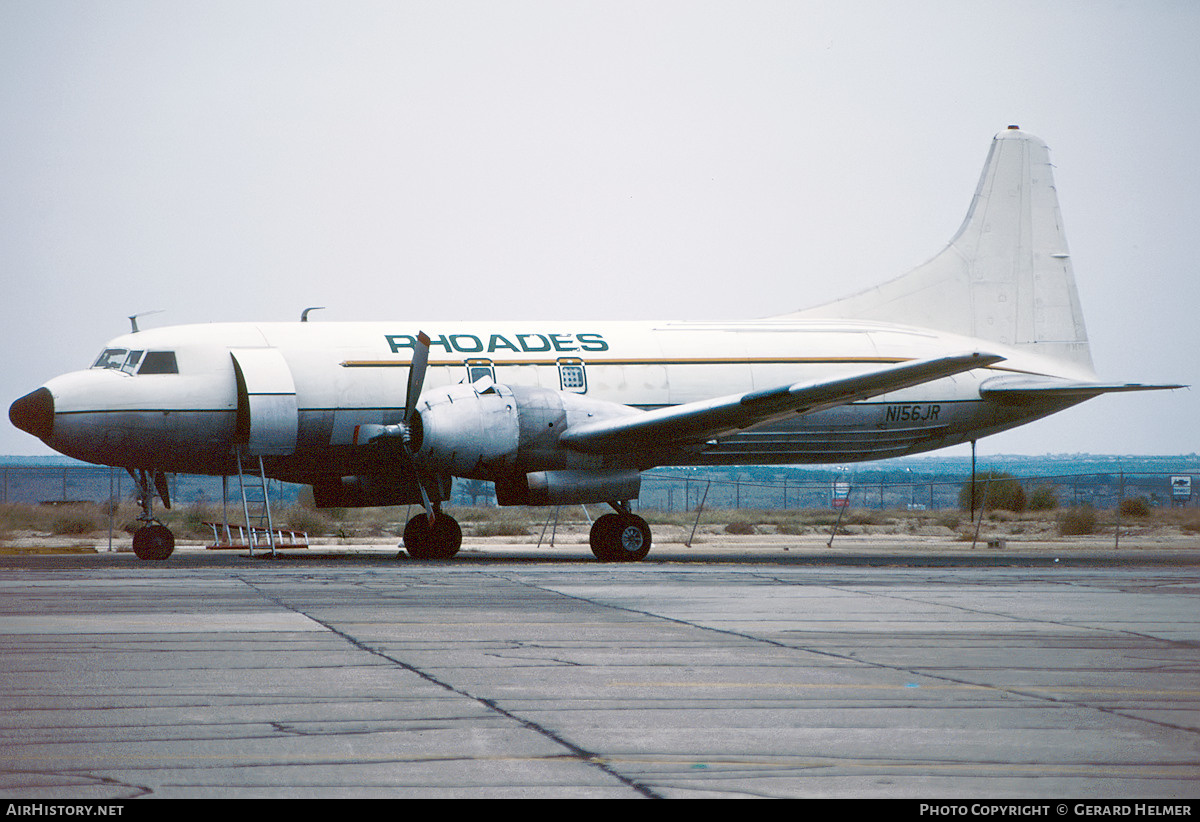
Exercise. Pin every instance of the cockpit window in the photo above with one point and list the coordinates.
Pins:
(131, 362)
(112, 358)
(138, 362)
(159, 362)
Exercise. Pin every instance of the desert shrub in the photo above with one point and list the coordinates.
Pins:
(15, 517)
(500, 528)
(739, 526)
(863, 516)
(1002, 490)
(77, 519)
(1187, 520)
(814, 516)
(309, 520)
(1135, 507)
(948, 519)
(1044, 498)
(1190, 524)
(1077, 521)
(189, 523)
(518, 521)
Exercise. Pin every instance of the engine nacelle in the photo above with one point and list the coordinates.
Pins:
(489, 431)
(570, 487)
(369, 491)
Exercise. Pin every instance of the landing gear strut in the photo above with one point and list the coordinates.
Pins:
(620, 537)
(153, 540)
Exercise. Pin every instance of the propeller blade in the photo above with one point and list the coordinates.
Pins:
(398, 435)
(416, 375)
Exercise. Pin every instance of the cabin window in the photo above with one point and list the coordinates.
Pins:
(571, 376)
(478, 369)
(159, 362)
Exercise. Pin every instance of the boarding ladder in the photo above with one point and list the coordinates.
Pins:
(256, 500)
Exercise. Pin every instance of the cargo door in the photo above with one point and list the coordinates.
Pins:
(268, 417)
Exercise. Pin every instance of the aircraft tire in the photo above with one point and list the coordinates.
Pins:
(602, 537)
(439, 541)
(620, 538)
(153, 542)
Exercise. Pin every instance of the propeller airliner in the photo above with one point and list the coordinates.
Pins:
(985, 336)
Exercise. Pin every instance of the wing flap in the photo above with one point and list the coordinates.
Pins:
(709, 419)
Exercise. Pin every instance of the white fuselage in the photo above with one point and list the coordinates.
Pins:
(297, 393)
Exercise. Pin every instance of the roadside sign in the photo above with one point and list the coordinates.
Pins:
(841, 495)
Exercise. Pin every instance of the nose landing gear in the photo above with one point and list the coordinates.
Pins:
(153, 540)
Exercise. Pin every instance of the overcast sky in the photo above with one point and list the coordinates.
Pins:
(585, 160)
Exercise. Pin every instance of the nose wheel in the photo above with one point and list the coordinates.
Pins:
(153, 542)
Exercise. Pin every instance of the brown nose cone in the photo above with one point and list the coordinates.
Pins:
(34, 413)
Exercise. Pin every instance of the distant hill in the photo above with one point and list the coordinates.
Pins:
(53, 461)
(1019, 464)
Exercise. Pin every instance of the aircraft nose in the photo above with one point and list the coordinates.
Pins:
(34, 413)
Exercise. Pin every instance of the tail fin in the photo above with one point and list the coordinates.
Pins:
(1005, 276)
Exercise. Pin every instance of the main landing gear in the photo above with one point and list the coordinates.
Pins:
(439, 539)
(620, 537)
(153, 540)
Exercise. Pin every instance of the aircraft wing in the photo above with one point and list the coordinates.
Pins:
(680, 425)
(1022, 389)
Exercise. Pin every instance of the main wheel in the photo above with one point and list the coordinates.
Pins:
(620, 538)
(633, 539)
(438, 541)
(602, 537)
(153, 542)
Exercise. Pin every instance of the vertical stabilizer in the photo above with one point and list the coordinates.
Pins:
(1005, 276)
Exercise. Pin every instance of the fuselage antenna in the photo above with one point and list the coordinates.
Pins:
(133, 319)
(304, 314)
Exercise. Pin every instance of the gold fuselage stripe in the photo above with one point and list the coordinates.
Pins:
(646, 361)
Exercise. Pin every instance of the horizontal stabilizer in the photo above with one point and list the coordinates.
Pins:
(1023, 389)
(711, 419)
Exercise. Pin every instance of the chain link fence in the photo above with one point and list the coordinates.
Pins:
(679, 491)
(1102, 490)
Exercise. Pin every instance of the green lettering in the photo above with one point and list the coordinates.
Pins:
(398, 341)
(521, 338)
(475, 347)
(592, 342)
(497, 342)
(562, 342)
